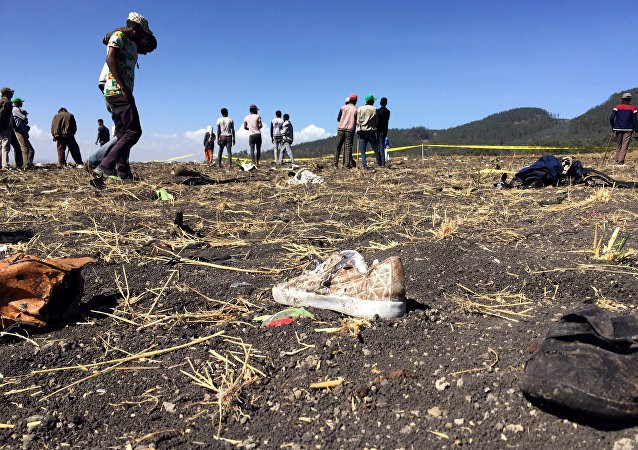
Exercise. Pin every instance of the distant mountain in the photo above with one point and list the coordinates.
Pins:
(518, 126)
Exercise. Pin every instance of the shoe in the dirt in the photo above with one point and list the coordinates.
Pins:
(344, 283)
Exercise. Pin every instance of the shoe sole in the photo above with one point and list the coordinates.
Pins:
(351, 306)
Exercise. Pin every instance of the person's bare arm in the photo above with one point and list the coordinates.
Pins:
(259, 124)
(111, 62)
(245, 125)
(219, 134)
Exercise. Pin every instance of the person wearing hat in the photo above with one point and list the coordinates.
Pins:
(253, 124)
(347, 122)
(121, 59)
(624, 121)
(5, 124)
(367, 122)
(21, 130)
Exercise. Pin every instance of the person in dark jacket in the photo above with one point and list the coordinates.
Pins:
(5, 124)
(21, 131)
(63, 128)
(103, 134)
(624, 121)
(383, 118)
(209, 144)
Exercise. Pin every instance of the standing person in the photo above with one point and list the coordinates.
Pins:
(252, 123)
(5, 124)
(623, 121)
(103, 135)
(121, 59)
(275, 134)
(288, 136)
(367, 123)
(63, 129)
(209, 144)
(347, 120)
(21, 130)
(383, 119)
(225, 137)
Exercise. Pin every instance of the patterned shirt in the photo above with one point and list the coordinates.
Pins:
(126, 58)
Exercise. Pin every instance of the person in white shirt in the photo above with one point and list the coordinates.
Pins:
(275, 134)
(225, 137)
(253, 124)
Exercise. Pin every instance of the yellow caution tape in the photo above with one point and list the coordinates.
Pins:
(426, 146)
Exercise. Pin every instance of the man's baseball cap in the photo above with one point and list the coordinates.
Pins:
(5, 89)
(17, 100)
(253, 106)
(140, 20)
(626, 95)
(370, 97)
(353, 97)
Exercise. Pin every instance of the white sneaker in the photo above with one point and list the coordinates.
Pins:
(344, 283)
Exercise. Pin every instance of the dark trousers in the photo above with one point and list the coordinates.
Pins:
(128, 131)
(381, 143)
(344, 137)
(225, 141)
(254, 140)
(64, 142)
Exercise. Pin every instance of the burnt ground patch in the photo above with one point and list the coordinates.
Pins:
(166, 353)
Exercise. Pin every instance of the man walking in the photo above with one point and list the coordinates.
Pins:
(21, 130)
(347, 120)
(121, 59)
(383, 119)
(253, 124)
(225, 137)
(624, 122)
(103, 134)
(275, 134)
(63, 129)
(5, 124)
(288, 136)
(367, 123)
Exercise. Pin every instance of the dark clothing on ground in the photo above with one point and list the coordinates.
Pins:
(254, 140)
(74, 149)
(103, 135)
(128, 131)
(344, 137)
(383, 119)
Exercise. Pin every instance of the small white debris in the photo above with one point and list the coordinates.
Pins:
(441, 384)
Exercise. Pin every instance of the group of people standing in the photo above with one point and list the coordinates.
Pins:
(281, 135)
(373, 130)
(14, 131)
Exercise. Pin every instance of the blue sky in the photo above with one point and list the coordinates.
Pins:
(440, 64)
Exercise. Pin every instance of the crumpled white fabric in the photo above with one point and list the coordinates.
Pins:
(248, 166)
(304, 176)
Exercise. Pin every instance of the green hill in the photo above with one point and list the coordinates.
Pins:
(518, 126)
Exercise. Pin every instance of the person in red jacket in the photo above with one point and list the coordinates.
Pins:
(624, 121)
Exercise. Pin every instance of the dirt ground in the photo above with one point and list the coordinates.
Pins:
(167, 354)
